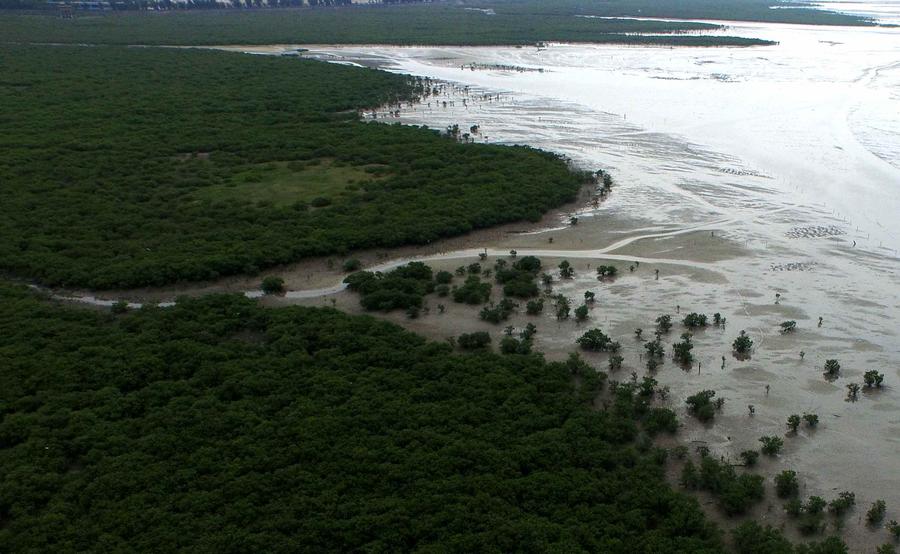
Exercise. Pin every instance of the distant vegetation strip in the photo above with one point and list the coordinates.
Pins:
(127, 167)
(403, 25)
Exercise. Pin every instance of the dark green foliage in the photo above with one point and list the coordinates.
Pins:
(694, 319)
(473, 291)
(512, 345)
(534, 307)
(400, 288)
(473, 341)
(604, 271)
(811, 420)
(752, 538)
(443, 277)
(530, 264)
(521, 287)
(875, 515)
(660, 420)
(615, 362)
(272, 285)
(786, 483)
(563, 307)
(832, 368)
(125, 167)
(771, 445)
(735, 492)
(894, 529)
(352, 265)
(873, 378)
(700, 405)
(681, 351)
(742, 344)
(594, 340)
(810, 516)
(788, 327)
(750, 457)
(220, 426)
(474, 269)
(830, 545)
(581, 312)
(842, 503)
(499, 312)
(566, 271)
(119, 307)
(655, 349)
(664, 323)
(793, 422)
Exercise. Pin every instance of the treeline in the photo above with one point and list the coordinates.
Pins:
(220, 426)
(119, 167)
(403, 24)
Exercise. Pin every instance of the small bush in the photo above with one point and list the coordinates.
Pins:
(473, 341)
(273, 285)
(352, 265)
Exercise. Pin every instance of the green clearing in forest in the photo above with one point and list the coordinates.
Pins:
(287, 183)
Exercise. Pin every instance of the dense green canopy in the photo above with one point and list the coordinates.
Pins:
(220, 426)
(124, 167)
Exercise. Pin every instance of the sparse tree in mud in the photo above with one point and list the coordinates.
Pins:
(875, 515)
(700, 405)
(566, 271)
(771, 445)
(664, 323)
(563, 307)
(853, 392)
(589, 297)
(811, 420)
(638, 332)
(742, 344)
(840, 505)
(749, 457)
(655, 348)
(693, 320)
(786, 483)
(534, 307)
(606, 271)
(615, 362)
(581, 312)
(788, 327)
(682, 350)
(873, 379)
(653, 364)
(894, 528)
(793, 422)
